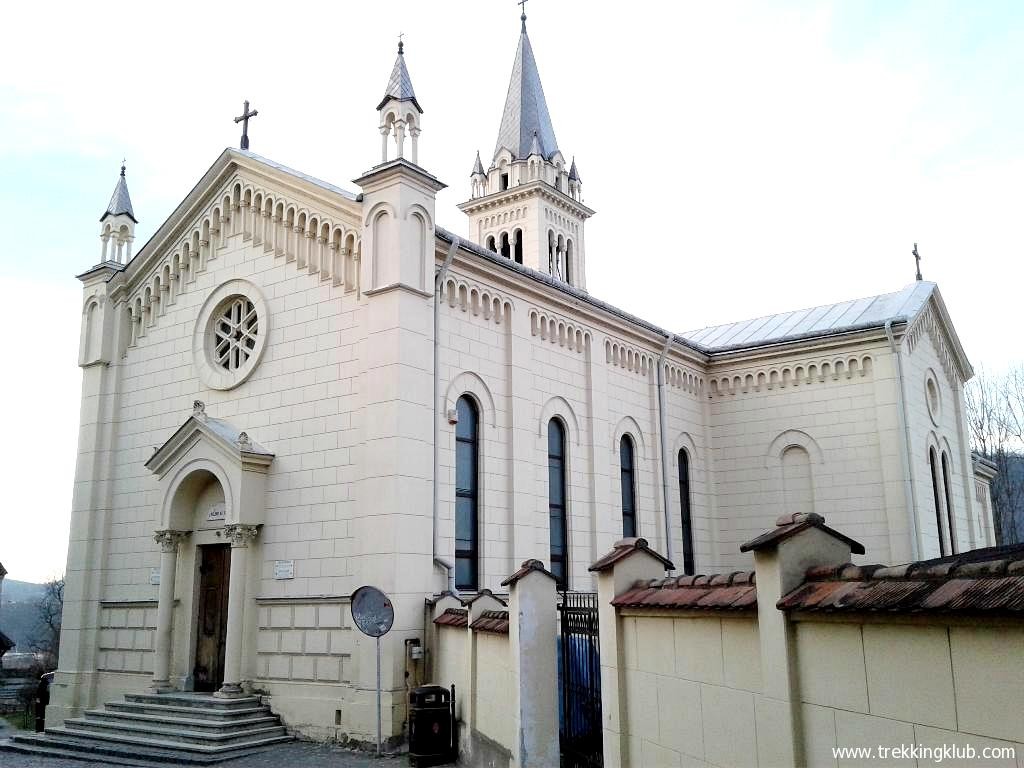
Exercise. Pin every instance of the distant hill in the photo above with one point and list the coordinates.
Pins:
(17, 591)
(18, 614)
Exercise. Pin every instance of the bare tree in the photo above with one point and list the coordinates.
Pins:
(49, 608)
(995, 417)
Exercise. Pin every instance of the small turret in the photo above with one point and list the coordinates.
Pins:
(575, 183)
(117, 230)
(399, 110)
(478, 178)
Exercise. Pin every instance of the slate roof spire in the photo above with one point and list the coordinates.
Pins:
(526, 111)
(400, 84)
(120, 202)
(478, 167)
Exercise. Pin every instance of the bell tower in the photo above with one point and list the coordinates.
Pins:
(117, 225)
(528, 204)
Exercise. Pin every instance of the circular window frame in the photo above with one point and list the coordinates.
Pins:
(210, 372)
(934, 409)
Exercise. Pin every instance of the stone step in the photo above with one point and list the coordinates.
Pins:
(201, 700)
(186, 739)
(213, 715)
(187, 720)
(127, 752)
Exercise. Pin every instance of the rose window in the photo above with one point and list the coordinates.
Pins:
(235, 334)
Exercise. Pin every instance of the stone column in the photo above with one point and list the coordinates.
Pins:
(240, 537)
(168, 541)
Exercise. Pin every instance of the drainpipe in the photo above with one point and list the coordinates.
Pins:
(664, 450)
(439, 276)
(907, 459)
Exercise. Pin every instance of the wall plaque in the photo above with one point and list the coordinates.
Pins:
(217, 513)
(284, 569)
(154, 576)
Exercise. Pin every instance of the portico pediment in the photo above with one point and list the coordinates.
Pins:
(230, 443)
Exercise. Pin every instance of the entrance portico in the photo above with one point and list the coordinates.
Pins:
(212, 481)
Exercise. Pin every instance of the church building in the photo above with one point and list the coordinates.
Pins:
(295, 389)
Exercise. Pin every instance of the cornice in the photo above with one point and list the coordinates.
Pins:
(535, 188)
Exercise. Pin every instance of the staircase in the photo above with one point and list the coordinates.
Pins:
(180, 728)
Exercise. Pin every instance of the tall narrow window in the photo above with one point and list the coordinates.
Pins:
(627, 474)
(557, 503)
(684, 511)
(933, 464)
(949, 502)
(467, 452)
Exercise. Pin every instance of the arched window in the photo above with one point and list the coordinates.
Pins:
(506, 246)
(933, 464)
(467, 453)
(490, 244)
(627, 474)
(949, 502)
(684, 511)
(519, 246)
(568, 261)
(557, 503)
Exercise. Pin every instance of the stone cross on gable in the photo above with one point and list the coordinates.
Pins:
(917, 259)
(244, 120)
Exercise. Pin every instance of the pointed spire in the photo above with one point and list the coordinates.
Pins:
(120, 202)
(574, 175)
(535, 146)
(526, 111)
(400, 84)
(478, 167)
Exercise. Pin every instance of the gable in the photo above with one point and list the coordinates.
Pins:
(236, 195)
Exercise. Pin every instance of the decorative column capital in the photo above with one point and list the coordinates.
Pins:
(169, 540)
(240, 534)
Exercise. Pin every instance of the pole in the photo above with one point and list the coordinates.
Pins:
(378, 696)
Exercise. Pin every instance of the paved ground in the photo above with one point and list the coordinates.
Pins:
(298, 754)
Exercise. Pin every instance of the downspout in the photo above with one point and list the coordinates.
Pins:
(907, 459)
(439, 276)
(664, 450)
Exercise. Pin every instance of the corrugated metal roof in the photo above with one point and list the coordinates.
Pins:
(828, 319)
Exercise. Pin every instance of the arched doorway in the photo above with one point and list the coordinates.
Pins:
(198, 504)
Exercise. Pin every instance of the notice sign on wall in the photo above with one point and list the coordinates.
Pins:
(154, 576)
(284, 569)
(217, 512)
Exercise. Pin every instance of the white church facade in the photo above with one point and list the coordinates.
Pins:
(293, 390)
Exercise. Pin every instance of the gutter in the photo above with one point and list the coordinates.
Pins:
(439, 276)
(906, 459)
(664, 449)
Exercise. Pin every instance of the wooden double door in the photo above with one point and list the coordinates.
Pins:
(214, 574)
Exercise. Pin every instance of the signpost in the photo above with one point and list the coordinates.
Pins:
(374, 615)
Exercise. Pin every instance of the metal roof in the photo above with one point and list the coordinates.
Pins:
(526, 111)
(400, 84)
(120, 202)
(478, 167)
(827, 319)
(292, 172)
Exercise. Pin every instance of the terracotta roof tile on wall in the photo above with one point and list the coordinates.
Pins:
(722, 592)
(453, 617)
(624, 548)
(988, 581)
(492, 621)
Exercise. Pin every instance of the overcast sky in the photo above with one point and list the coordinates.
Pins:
(743, 158)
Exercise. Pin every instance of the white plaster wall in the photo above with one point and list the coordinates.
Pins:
(449, 652)
(494, 675)
(834, 403)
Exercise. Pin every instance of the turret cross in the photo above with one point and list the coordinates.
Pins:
(244, 120)
(917, 259)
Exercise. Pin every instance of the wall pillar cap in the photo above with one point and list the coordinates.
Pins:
(627, 548)
(793, 523)
(527, 567)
